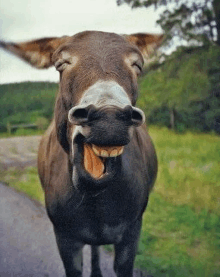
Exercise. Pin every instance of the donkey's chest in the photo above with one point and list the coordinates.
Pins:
(94, 221)
(101, 224)
(102, 233)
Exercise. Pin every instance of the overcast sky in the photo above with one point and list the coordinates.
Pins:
(22, 20)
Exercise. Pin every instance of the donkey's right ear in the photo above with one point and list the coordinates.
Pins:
(38, 53)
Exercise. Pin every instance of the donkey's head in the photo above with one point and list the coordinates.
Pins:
(95, 108)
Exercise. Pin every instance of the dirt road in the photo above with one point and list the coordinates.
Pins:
(18, 151)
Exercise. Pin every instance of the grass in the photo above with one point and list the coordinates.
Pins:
(188, 168)
(181, 226)
(177, 241)
(25, 180)
(22, 132)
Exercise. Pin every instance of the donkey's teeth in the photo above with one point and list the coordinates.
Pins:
(121, 151)
(114, 153)
(96, 151)
(105, 152)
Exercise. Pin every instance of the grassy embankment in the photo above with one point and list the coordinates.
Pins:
(181, 227)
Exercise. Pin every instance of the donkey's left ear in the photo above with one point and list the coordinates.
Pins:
(146, 43)
(38, 53)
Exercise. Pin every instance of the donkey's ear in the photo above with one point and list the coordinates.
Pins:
(146, 43)
(37, 52)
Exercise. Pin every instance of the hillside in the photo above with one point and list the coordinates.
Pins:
(26, 102)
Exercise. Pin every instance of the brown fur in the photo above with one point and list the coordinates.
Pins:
(100, 56)
(147, 43)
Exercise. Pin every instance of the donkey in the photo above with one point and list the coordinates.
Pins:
(96, 162)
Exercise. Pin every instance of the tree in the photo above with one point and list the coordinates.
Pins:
(184, 90)
(194, 21)
(189, 23)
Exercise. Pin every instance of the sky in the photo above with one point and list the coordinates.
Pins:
(24, 20)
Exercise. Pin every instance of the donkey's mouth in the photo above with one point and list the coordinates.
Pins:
(94, 158)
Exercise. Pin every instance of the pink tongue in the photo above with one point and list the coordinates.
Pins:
(92, 163)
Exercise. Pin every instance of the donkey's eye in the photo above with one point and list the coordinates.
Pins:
(138, 68)
(61, 65)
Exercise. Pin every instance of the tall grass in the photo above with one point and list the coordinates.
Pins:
(189, 168)
(181, 226)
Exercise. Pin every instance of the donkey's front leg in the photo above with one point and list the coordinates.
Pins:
(96, 271)
(125, 251)
(71, 254)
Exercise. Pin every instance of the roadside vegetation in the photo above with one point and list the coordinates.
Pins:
(183, 93)
(25, 180)
(26, 103)
(181, 226)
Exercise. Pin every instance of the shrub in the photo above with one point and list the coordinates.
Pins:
(42, 123)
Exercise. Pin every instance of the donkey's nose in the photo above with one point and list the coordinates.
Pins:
(81, 115)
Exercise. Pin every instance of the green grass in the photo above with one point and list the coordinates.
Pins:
(177, 241)
(188, 168)
(22, 132)
(25, 180)
(181, 226)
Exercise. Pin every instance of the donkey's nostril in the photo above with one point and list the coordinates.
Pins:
(138, 116)
(131, 114)
(79, 115)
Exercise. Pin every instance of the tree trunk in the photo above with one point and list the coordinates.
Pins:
(172, 118)
(216, 7)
